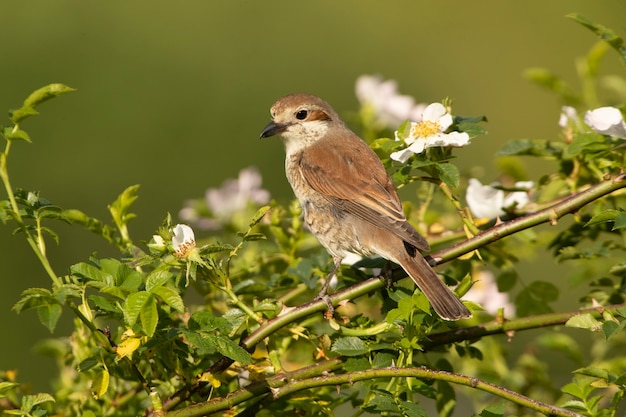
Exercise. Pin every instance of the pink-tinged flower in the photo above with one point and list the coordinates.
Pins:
(430, 132)
(489, 202)
(390, 107)
(485, 292)
(607, 121)
(220, 204)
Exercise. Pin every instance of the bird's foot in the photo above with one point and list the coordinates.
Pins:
(323, 296)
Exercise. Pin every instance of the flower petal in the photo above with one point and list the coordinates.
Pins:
(433, 112)
(607, 121)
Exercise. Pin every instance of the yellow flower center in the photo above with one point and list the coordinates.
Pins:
(184, 249)
(425, 129)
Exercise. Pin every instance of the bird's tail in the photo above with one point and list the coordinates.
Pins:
(445, 303)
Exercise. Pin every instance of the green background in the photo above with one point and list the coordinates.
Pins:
(173, 95)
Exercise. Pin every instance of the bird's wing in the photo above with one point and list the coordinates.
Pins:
(353, 179)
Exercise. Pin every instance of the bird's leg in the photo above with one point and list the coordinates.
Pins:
(323, 294)
(387, 274)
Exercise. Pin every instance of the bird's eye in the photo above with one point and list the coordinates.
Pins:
(302, 114)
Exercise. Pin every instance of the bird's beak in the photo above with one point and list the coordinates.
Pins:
(272, 129)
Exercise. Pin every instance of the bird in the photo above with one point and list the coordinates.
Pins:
(348, 199)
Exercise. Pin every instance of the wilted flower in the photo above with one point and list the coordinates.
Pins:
(429, 132)
(220, 204)
(607, 121)
(488, 201)
(183, 240)
(390, 107)
(485, 292)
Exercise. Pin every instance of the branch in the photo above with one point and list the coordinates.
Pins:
(550, 214)
(499, 326)
(283, 385)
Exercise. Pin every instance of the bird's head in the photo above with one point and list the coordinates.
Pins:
(301, 120)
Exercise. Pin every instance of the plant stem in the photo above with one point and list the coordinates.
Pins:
(283, 385)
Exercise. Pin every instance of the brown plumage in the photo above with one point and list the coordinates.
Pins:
(349, 201)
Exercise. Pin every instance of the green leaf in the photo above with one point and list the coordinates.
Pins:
(49, 315)
(19, 134)
(149, 316)
(349, 346)
(22, 113)
(157, 278)
(584, 321)
(449, 174)
(88, 363)
(133, 306)
(170, 297)
(254, 236)
(46, 93)
(119, 209)
(603, 217)
(604, 33)
(410, 409)
(551, 82)
(205, 320)
(620, 221)
(611, 328)
(496, 410)
(258, 216)
(100, 383)
(230, 349)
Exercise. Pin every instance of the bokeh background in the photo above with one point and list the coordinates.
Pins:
(173, 95)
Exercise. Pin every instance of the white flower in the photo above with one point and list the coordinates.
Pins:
(429, 132)
(183, 240)
(489, 202)
(607, 121)
(485, 292)
(390, 107)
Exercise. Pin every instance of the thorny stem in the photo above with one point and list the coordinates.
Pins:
(283, 385)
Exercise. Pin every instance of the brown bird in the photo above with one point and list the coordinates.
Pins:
(349, 201)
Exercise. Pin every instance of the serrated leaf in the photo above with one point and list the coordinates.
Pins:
(49, 315)
(133, 306)
(349, 346)
(157, 278)
(410, 409)
(170, 297)
(149, 316)
(230, 349)
(449, 174)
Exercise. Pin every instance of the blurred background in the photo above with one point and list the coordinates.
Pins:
(173, 96)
